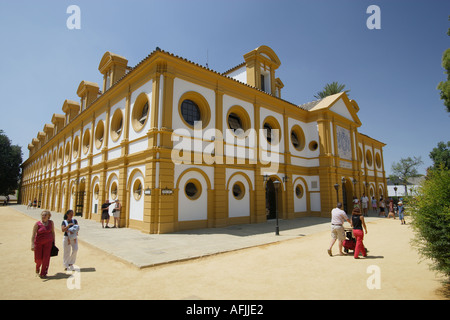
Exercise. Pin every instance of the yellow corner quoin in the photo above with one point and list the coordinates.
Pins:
(182, 146)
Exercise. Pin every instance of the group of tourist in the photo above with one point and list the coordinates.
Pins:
(32, 204)
(338, 217)
(383, 205)
(43, 237)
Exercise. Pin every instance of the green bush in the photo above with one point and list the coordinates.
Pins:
(430, 210)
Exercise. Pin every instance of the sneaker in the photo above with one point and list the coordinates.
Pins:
(107, 227)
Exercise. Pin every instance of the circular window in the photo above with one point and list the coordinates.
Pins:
(238, 190)
(116, 125)
(76, 146)
(238, 121)
(313, 145)
(378, 160)
(86, 141)
(137, 189)
(60, 155)
(298, 138)
(67, 154)
(369, 157)
(299, 191)
(140, 112)
(360, 155)
(190, 112)
(114, 191)
(192, 108)
(193, 189)
(99, 134)
(271, 130)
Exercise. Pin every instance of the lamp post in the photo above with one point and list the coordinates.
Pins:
(354, 186)
(336, 186)
(276, 185)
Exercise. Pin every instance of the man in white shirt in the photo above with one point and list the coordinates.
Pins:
(338, 217)
(365, 204)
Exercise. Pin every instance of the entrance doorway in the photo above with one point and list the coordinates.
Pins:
(270, 200)
(347, 196)
(273, 199)
(344, 197)
(80, 200)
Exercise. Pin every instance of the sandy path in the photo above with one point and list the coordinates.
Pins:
(293, 269)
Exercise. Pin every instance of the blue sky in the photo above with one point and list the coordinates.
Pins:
(392, 72)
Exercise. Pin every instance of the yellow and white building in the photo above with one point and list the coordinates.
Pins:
(183, 146)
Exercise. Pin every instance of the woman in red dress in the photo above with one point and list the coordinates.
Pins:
(41, 243)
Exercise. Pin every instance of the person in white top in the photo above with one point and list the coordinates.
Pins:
(365, 204)
(338, 217)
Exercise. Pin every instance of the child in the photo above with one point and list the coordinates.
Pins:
(72, 232)
(374, 204)
(401, 212)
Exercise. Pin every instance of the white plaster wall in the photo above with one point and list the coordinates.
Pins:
(239, 207)
(114, 153)
(138, 145)
(363, 160)
(66, 142)
(239, 74)
(85, 128)
(136, 206)
(83, 163)
(101, 117)
(76, 134)
(181, 168)
(95, 181)
(110, 183)
(264, 113)
(119, 105)
(313, 182)
(300, 205)
(249, 173)
(96, 159)
(315, 201)
(188, 209)
(147, 89)
(311, 134)
(340, 108)
(179, 88)
(245, 147)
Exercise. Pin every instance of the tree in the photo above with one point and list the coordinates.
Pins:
(10, 161)
(405, 169)
(444, 86)
(441, 155)
(330, 89)
(430, 210)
